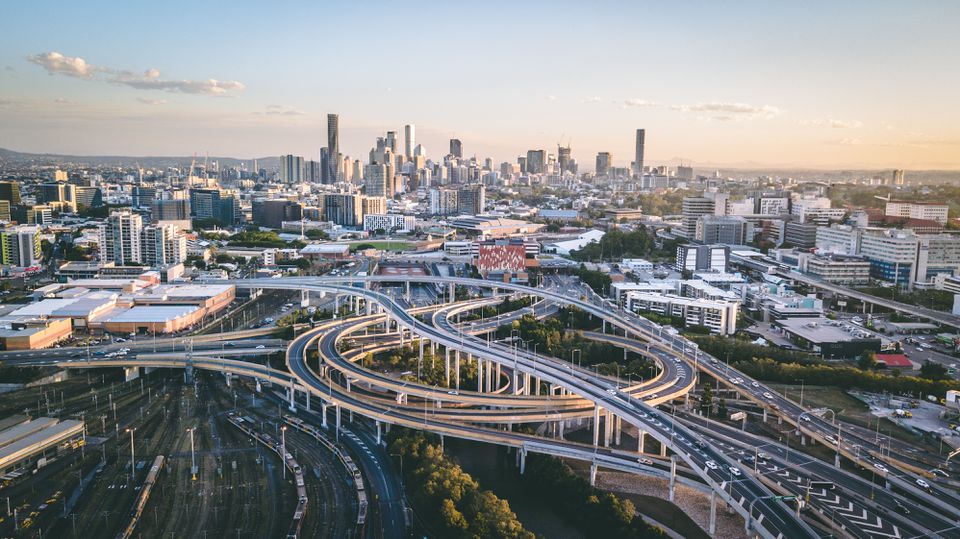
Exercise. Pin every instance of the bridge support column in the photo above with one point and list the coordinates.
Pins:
(131, 373)
(446, 364)
(307, 394)
(604, 326)
(451, 292)
(663, 449)
(713, 513)
(421, 349)
(338, 423)
(378, 433)
(407, 291)
(516, 382)
(456, 369)
(479, 373)
(523, 460)
(593, 474)
(293, 398)
(764, 415)
(618, 427)
(490, 384)
(369, 307)
(596, 426)
(536, 386)
(349, 385)
(607, 429)
(673, 476)
(560, 425)
(526, 383)
(323, 415)
(496, 382)
(640, 440)
(803, 439)
(227, 377)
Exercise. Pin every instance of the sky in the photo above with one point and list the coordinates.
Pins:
(853, 84)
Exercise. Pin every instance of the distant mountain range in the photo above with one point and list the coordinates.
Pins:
(23, 158)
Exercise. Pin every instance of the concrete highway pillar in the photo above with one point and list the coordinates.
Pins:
(323, 415)
(369, 306)
(307, 394)
(836, 460)
(523, 460)
(618, 426)
(456, 369)
(663, 449)
(489, 383)
(764, 415)
(400, 331)
(421, 349)
(351, 416)
(349, 385)
(640, 440)
(378, 433)
(536, 386)
(451, 292)
(446, 363)
(713, 513)
(607, 429)
(337, 410)
(526, 383)
(593, 474)
(226, 376)
(479, 374)
(673, 476)
(496, 383)
(596, 426)
(560, 425)
(407, 293)
(293, 398)
(803, 439)
(779, 420)
(516, 382)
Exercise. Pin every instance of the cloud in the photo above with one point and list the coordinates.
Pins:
(7, 103)
(639, 103)
(731, 110)
(63, 101)
(281, 110)
(850, 141)
(592, 99)
(74, 66)
(833, 123)
(56, 63)
(146, 101)
(551, 98)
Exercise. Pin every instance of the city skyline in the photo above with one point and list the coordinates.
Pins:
(720, 85)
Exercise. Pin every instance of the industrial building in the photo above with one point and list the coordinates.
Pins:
(35, 443)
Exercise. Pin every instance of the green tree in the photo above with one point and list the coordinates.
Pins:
(706, 401)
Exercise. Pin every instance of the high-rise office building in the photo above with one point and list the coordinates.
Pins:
(171, 212)
(391, 141)
(722, 229)
(20, 246)
(120, 238)
(272, 213)
(898, 177)
(89, 197)
(693, 208)
(60, 194)
(443, 201)
(409, 140)
(471, 200)
(604, 162)
(10, 191)
(638, 155)
(375, 180)
(142, 197)
(312, 171)
(344, 209)
(5, 210)
(536, 161)
(563, 159)
(333, 147)
(291, 168)
(456, 148)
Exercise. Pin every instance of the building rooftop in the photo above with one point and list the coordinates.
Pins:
(823, 330)
(150, 313)
(28, 445)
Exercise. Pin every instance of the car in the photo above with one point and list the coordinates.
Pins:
(762, 455)
(806, 418)
(902, 508)
(755, 384)
(647, 462)
(612, 391)
(454, 392)
(767, 395)
(734, 470)
(832, 440)
(938, 471)
(712, 465)
(923, 484)
(880, 467)
(260, 347)
(230, 344)
(701, 444)
(747, 459)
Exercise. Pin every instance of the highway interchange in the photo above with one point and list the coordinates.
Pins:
(714, 458)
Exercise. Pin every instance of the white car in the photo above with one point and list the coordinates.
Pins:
(647, 462)
(755, 384)
(712, 465)
(260, 347)
(923, 484)
(880, 467)
(767, 395)
(735, 471)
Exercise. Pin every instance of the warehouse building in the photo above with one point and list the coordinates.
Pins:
(34, 444)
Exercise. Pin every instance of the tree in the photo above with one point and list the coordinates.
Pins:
(933, 371)
(722, 409)
(706, 401)
(867, 361)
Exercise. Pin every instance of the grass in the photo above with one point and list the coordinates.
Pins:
(383, 245)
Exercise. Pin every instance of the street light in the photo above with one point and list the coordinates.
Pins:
(283, 450)
(132, 454)
(193, 456)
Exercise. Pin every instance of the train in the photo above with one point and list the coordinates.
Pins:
(249, 427)
(347, 461)
(141, 502)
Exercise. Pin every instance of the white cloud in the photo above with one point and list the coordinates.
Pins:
(551, 98)
(850, 141)
(62, 101)
(592, 99)
(639, 103)
(56, 63)
(731, 110)
(833, 123)
(73, 66)
(146, 101)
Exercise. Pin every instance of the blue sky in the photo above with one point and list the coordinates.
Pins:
(823, 84)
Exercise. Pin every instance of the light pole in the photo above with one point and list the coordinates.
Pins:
(283, 450)
(132, 454)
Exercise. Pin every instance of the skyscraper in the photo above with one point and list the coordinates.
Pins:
(638, 157)
(291, 169)
(409, 140)
(456, 148)
(604, 162)
(20, 246)
(333, 146)
(10, 191)
(563, 159)
(536, 161)
(392, 141)
(375, 181)
(120, 238)
(898, 177)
